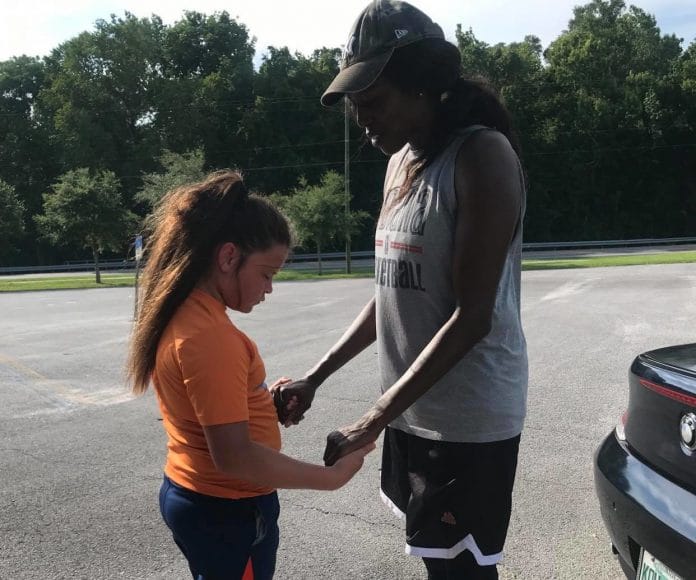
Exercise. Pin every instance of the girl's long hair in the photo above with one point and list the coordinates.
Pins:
(186, 228)
(432, 67)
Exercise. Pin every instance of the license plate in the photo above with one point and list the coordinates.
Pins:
(650, 568)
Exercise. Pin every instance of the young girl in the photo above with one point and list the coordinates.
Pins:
(215, 247)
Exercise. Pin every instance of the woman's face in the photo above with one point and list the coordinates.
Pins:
(391, 117)
(242, 287)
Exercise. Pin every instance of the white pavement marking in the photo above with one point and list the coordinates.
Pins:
(60, 396)
(567, 290)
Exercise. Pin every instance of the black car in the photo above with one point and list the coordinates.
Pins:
(645, 470)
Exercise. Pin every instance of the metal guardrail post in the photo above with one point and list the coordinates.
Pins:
(138, 256)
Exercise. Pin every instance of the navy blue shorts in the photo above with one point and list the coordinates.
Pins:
(219, 535)
(456, 498)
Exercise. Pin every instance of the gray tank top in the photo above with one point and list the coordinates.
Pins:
(483, 397)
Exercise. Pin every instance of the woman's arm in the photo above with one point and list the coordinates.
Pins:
(360, 334)
(296, 397)
(489, 195)
(236, 455)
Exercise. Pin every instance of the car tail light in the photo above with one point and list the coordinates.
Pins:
(621, 427)
(674, 395)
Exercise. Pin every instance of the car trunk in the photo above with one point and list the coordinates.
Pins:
(662, 393)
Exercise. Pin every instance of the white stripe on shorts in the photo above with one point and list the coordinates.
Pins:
(468, 543)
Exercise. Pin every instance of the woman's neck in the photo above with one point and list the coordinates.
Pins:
(425, 134)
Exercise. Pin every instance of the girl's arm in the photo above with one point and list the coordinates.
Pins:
(236, 455)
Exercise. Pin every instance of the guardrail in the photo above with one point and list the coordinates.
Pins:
(529, 246)
(106, 265)
(328, 256)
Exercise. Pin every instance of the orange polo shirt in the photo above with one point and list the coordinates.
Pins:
(208, 372)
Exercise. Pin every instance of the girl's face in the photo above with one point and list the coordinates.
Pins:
(391, 117)
(242, 284)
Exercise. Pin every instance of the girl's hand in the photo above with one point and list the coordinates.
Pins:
(279, 383)
(347, 466)
(280, 405)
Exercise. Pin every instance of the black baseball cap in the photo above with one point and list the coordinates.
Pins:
(382, 26)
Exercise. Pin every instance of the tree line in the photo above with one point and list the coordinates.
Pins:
(93, 134)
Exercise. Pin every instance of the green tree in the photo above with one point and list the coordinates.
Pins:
(605, 116)
(602, 165)
(288, 133)
(318, 215)
(100, 97)
(206, 86)
(27, 155)
(11, 219)
(177, 169)
(683, 130)
(86, 210)
(516, 71)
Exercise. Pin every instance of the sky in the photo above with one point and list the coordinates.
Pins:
(34, 27)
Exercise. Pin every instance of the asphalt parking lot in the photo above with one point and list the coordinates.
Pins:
(80, 460)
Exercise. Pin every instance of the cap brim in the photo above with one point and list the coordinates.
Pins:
(355, 78)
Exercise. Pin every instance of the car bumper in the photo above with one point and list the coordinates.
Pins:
(641, 508)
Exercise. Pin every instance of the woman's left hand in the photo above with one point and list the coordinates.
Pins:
(346, 440)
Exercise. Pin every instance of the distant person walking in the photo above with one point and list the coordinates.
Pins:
(215, 247)
(446, 313)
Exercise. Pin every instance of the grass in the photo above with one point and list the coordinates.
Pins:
(65, 282)
(331, 274)
(604, 261)
(117, 280)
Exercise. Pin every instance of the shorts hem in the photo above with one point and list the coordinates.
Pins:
(468, 543)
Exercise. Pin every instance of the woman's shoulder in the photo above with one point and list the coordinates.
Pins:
(469, 130)
(479, 143)
(487, 166)
(480, 136)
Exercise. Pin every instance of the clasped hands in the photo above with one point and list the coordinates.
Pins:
(292, 399)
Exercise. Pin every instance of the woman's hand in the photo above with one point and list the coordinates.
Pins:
(293, 399)
(346, 440)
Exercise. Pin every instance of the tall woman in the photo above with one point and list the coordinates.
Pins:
(446, 313)
(215, 247)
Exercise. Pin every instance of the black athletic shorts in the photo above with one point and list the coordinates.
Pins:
(453, 496)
